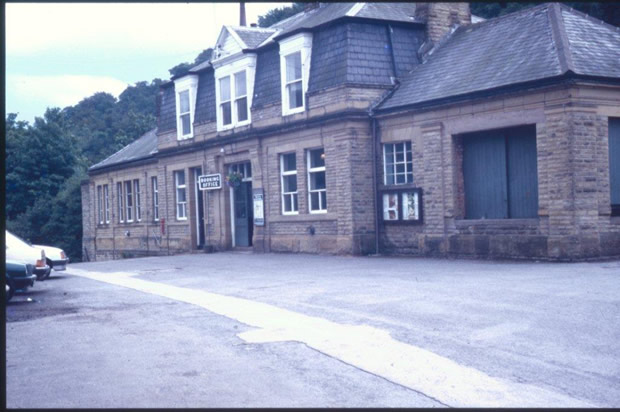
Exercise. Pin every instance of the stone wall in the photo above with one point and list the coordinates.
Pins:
(574, 217)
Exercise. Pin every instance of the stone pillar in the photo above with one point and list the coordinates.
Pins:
(570, 152)
(434, 241)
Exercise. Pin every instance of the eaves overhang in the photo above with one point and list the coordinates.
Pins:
(122, 165)
(344, 19)
(516, 87)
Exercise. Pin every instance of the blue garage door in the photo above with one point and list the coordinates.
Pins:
(500, 173)
(614, 163)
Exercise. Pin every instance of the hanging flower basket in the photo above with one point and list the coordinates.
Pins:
(234, 179)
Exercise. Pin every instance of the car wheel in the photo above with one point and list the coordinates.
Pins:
(49, 263)
(11, 291)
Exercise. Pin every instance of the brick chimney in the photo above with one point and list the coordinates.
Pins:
(440, 18)
(242, 14)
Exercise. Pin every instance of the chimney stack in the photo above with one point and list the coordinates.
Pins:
(242, 14)
(440, 18)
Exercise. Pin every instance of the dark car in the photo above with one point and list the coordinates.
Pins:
(19, 276)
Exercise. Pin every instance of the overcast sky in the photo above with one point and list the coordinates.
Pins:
(58, 54)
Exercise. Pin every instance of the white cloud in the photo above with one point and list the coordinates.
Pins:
(149, 27)
(61, 91)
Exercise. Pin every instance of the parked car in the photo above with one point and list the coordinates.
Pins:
(19, 276)
(55, 257)
(19, 250)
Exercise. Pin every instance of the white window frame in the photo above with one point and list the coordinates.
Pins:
(322, 208)
(187, 83)
(301, 42)
(119, 196)
(408, 164)
(100, 204)
(293, 195)
(180, 206)
(221, 103)
(106, 203)
(229, 67)
(128, 200)
(155, 199)
(136, 191)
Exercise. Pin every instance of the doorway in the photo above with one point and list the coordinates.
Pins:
(241, 206)
(199, 215)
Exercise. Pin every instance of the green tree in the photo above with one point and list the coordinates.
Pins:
(275, 15)
(182, 68)
(609, 12)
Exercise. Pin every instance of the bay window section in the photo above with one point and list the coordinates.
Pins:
(294, 82)
(155, 198)
(99, 205)
(106, 204)
(317, 188)
(119, 198)
(397, 163)
(181, 199)
(225, 106)
(288, 171)
(241, 96)
(128, 201)
(136, 189)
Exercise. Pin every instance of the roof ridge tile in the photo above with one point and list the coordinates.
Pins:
(558, 34)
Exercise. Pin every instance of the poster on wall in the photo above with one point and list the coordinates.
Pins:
(259, 214)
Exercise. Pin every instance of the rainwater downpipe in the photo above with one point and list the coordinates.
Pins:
(374, 180)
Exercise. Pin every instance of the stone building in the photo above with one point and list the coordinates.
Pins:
(357, 128)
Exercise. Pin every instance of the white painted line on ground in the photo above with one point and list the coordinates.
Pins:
(367, 348)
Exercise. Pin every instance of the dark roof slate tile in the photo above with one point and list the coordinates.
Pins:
(594, 46)
(524, 46)
(143, 147)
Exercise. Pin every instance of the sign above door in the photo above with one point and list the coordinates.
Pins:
(210, 182)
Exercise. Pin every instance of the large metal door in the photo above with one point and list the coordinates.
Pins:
(614, 162)
(522, 172)
(484, 172)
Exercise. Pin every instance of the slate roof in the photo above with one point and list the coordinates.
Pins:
(253, 36)
(538, 43)
(142, 148)
(403, 12)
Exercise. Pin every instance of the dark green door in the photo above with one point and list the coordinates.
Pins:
(484, 172)
(500, 173)
(243, 214)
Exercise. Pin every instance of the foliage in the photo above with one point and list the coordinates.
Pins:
(46, 161)
(182, 68)
(275, 15)
(609, 12)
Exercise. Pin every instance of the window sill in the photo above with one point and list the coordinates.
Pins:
(304, 217)
(181, 138)
(294, 111)
(463, 223)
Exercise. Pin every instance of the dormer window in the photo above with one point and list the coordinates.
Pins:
(184, 113)
(295, 56)
(233, 100)
(185, 88)
(294, 89)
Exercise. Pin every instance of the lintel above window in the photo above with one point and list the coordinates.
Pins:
(185, 91)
